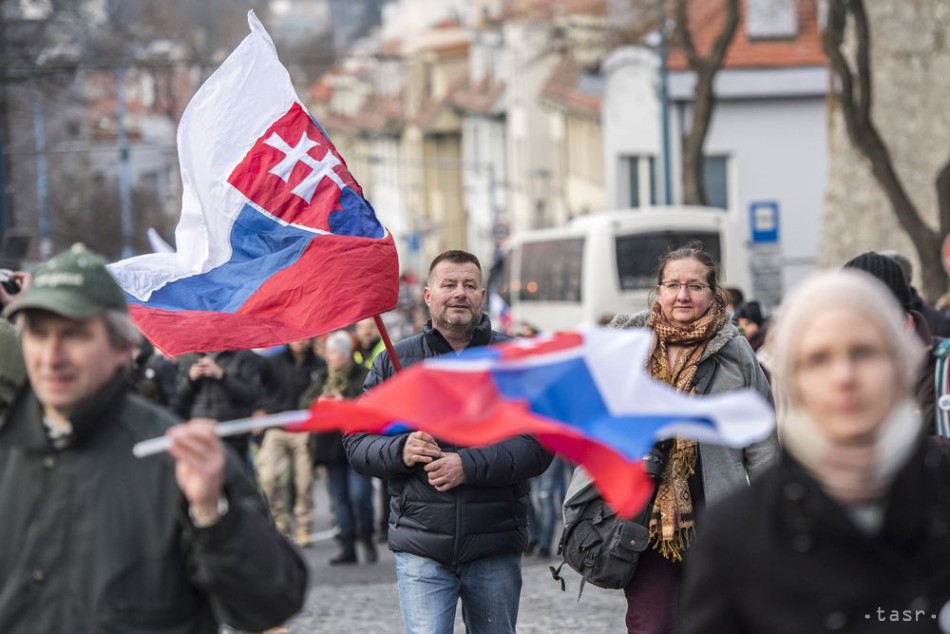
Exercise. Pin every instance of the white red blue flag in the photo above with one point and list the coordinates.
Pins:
(583, 394)
(275, 242)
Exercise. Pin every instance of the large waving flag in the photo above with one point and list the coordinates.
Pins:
(583, 394)
(275, 242)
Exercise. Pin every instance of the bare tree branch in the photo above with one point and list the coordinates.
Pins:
(943, 198)
(865, 137)
(684, 35)
(863, 59)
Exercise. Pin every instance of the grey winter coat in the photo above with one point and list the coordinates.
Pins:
(728, 363)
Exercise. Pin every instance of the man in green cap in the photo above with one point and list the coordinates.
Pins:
(94, 539)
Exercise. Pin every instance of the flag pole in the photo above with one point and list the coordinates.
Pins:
(384, 334)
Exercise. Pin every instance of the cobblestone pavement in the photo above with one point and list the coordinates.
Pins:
(362, 598)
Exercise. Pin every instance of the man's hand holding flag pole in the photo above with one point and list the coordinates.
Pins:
(574, 391)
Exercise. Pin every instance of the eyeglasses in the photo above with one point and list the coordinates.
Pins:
(674, 287)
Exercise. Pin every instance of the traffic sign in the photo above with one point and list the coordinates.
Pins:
(764, 221)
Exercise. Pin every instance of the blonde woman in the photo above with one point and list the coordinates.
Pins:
(850, 531)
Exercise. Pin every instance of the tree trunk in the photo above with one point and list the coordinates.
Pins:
(705, 68)
(854, 96)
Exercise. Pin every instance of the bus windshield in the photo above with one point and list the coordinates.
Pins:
(638, 254)
(551, 271)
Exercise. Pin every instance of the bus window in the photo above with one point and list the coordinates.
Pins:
(551, 270)
(639, 254)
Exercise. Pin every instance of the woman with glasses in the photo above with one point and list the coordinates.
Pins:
(697, 351)
(850, 530)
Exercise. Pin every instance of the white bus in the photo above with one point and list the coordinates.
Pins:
(606, 263)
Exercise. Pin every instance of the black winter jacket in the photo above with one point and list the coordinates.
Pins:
(283, 380)
(236, 395)
(97, 540)
(783, 557)
(485, 517)
(326, 447)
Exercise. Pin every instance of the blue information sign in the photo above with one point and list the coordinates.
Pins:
(764, 221)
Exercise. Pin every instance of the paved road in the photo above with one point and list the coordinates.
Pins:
(363, 598)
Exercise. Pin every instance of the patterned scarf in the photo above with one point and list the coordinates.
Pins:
(672, 521)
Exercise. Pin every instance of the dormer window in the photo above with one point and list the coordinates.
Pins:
(771, 19)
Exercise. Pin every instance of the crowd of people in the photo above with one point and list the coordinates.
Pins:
(839, 521)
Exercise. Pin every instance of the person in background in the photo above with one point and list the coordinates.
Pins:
(928, 390)
(850, 531)
(697, 351)
(752, 324)
(370, 343)
(547, 489)
(284, 378)
(222, 386)
(734, 297)
(152, 374)
(458, 517)
(351, 492)
(94, 539)
(938, 323)
(12, 370)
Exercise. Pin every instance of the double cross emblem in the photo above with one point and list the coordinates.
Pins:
(324, 168)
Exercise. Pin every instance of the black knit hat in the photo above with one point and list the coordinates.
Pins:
(750, 310)
(886, 270)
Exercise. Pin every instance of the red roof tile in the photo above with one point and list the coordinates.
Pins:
(561, 89)
(706, 18)
(431, 108)
(546, 9)
(479, 97)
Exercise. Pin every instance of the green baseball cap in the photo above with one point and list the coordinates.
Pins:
(74, 284)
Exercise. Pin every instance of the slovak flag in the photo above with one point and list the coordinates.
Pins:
(583, 394)
(275, 242)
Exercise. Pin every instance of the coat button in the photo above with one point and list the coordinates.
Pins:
(802, 543)
(49, 462)
(39, 576)
(835, 621)
(794, 491)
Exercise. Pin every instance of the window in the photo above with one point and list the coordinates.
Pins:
(772, 19)
(715, 181)
(639, 254)
(639, 180)
(551, 271)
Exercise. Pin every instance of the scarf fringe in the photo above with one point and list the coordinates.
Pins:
(673, 547)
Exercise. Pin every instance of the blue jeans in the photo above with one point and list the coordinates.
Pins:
(490, 590)
(547, 491)
(352, 495)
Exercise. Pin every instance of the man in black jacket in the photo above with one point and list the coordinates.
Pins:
(94, 539)
(221, 386)
(458, 515)
(285, 376)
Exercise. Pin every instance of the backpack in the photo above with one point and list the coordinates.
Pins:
(597, 543)
(601, 546)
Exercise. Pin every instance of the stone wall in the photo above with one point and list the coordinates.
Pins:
(910, 57)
